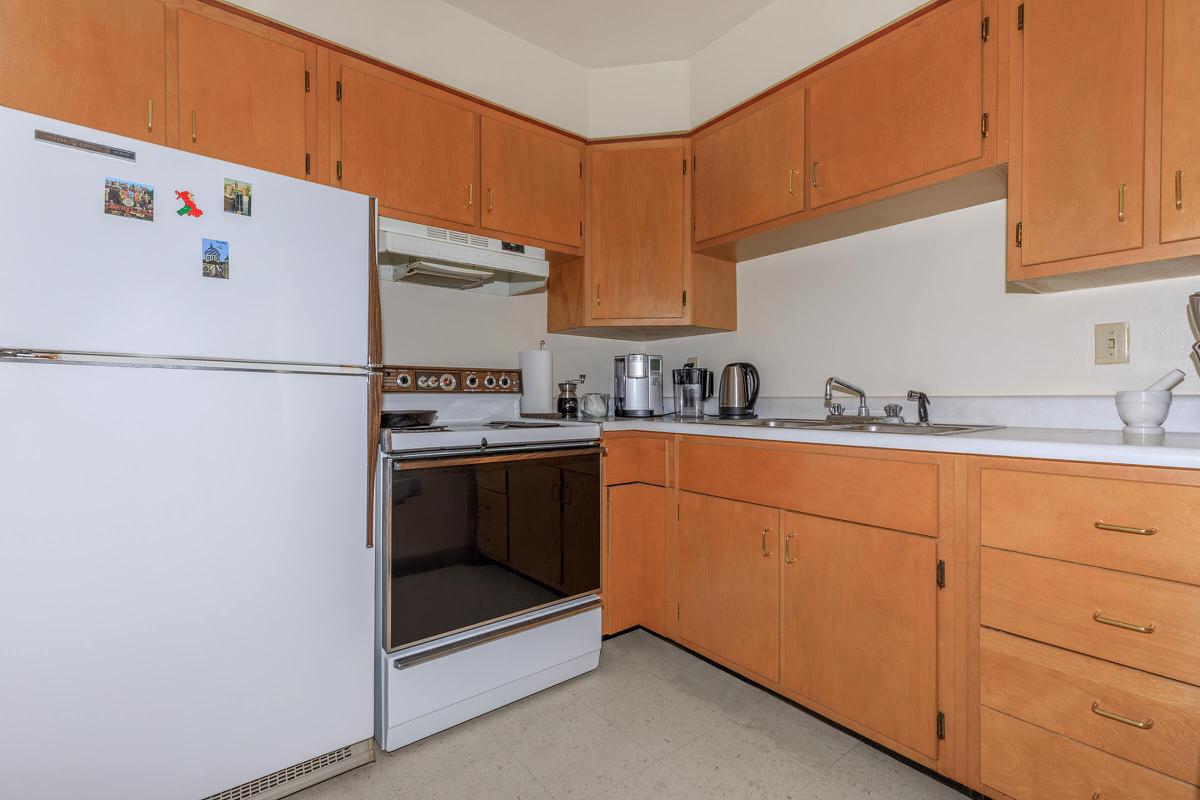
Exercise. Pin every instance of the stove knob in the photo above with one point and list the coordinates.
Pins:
(404, 380)
(490, 381)
(472, 381)
(505, 381)
(422, 381)
(448, 382)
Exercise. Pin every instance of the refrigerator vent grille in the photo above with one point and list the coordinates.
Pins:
(443, 235)
(296, 777)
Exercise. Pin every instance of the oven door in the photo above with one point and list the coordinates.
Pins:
(471, 540)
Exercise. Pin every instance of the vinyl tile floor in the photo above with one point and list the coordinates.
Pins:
(653, 722)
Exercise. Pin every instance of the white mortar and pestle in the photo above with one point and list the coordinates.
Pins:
(1144, 412)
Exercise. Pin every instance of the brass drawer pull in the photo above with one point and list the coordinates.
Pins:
(1121, 204)
(815, 166)
(1107, 526)
(150, 114)
(1179, 190)
(1144, 725)
(1125, 626)
(791, 178)
(470, 195)
(787, 549)
(763, 546)
(193, 126)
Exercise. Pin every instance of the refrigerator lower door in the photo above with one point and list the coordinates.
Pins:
(184, 577)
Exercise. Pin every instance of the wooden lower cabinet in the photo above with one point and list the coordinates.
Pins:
(860, 625)
(727, 561)
(636, 550)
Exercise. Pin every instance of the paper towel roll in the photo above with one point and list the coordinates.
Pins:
(537, 369)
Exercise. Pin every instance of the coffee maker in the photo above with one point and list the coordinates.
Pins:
(693, 385)
(638, 385)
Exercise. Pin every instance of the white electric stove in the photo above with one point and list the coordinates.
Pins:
(489, 551)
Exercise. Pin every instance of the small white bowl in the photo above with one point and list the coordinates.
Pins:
(1143, 412)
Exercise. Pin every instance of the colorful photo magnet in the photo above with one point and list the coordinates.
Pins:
(128, 199)
(215, 258)
(237, 197)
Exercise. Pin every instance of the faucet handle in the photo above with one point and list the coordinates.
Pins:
(893, 409)
(837, 409)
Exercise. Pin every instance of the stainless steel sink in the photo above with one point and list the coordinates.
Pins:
(911, 428)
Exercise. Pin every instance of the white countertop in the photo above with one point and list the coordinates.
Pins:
(1061, 444)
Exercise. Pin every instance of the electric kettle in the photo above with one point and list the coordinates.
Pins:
(739, 391)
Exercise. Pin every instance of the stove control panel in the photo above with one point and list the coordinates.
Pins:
(451, 379)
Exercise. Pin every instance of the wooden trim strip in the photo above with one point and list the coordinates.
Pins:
(765, 93)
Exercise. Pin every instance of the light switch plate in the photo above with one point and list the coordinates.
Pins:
(1112, 343)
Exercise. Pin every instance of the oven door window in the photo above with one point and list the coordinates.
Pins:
(482, 539)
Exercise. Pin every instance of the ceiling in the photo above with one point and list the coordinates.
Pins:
(617, 32)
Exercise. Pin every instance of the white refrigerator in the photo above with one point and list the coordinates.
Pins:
(186, 579)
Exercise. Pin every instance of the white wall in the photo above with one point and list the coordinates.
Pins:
(780, 40)
(646, 98)
(442, 327)
(440, 42)
(922, 306)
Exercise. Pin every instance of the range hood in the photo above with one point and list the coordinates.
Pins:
(413, 253)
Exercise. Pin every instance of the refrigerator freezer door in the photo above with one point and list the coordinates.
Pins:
(77, 279)
(187, 595)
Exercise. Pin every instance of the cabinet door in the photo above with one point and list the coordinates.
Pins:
(860, 625)
(241, 95)
(1083, 91)
(98, 63)
(532, 183)
(636, 590)
(1180, 122)
(580, 494)
(907, 107)
(728, 567)
(636, 232)
(414, 151)
(535, 525)
(750, 171)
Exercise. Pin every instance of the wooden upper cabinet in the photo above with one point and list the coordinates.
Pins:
(1083, 99)
(728, 581)
(99, 63)
(750, 170)
(532, 182)
(1180, 121)
(242, 93)
(907, 105)
(636, 231)
(860, 625)
(415, 150)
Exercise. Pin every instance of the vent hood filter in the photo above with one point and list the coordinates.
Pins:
(431, 256)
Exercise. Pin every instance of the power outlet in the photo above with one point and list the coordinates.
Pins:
(1112, 343)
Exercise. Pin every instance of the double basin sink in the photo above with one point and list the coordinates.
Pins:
(868, 426)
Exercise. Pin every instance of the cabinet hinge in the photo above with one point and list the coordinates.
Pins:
(677, 611)
(941, 574)
(986, 33)
(983, 126)
(581, 227)
(339, 170)
(1019, 231)
(307, 84)
(685, 166)
(685, 297)
(581, 169)
(307, 164)
(338, 91)
(693, 164)
(941, 725)
(1021, 17)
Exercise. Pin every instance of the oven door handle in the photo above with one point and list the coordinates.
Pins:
(404, 662)
(529, 455)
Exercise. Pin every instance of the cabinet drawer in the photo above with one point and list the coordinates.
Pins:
(1065, 604)
(636, 460)
(1057, 516)
(1056, 689)
(1028, 763)
(885, 493)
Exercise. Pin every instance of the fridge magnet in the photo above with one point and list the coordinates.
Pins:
(215, 258)
(128, 199)
(237, 197)
(189, 209)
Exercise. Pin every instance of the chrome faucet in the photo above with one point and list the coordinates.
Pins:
(863, 410)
